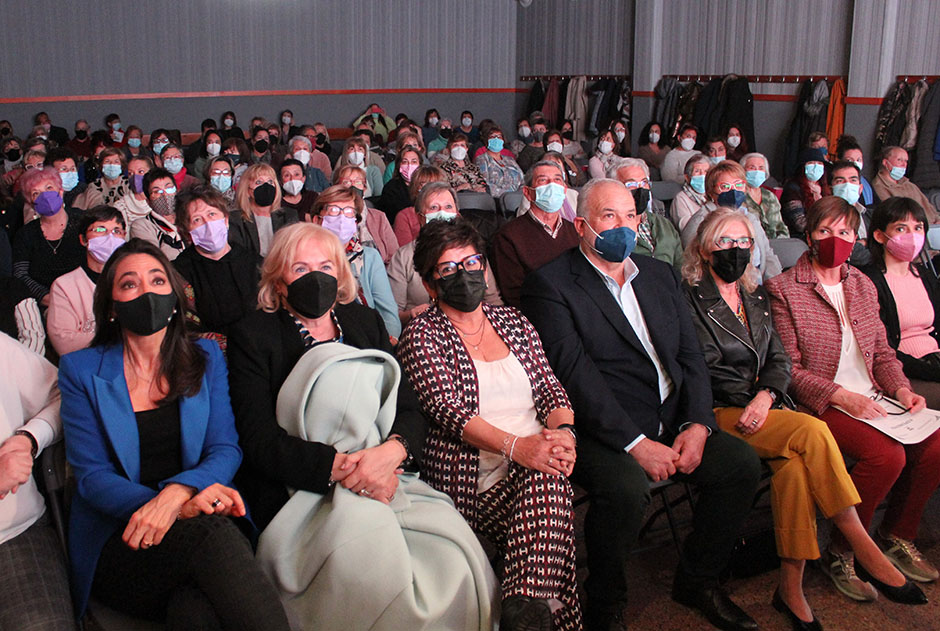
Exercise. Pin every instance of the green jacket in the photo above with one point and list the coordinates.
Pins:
(668, 245)
(769, 214)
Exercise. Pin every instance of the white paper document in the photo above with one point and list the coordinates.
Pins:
(903, 427)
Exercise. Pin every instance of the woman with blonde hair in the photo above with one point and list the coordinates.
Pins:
(307, 300)
(259, 214)
(750, 375)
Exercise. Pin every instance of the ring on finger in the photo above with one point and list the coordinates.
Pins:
(365, 493)
(216, 503)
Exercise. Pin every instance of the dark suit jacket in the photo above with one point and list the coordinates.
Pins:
(262, 350)
(245, 233)
(594, 351)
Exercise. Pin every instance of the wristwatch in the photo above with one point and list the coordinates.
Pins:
(409, 459)
(34, 446)
(773, 395)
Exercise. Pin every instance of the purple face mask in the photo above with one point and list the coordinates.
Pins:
(342, 226)
(137, 183)
(211, 236)
(101, 248)
(48, 203)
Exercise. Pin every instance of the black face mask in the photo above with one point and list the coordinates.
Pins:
(641, 197)
(234, 157)
(464, 290)
(445, 132)
(358, 191)
(13, 155)
(730, 264)
(81, 134)
(312, 295)
(261, 146)
(4, 131)
(146, 314)
(321, 140)
(265, 194)
(537, 136)
(567, 135)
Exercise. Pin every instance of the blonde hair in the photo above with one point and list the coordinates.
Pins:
(724, 167)
(284, 248)
(694, 266)
(339, 193)
(243, 199)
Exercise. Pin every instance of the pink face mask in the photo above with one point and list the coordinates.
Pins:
(406, 171)
(905, 246)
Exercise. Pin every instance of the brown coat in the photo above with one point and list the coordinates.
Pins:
(809, 328)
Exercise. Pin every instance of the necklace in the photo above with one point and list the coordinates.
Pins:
(468, 336)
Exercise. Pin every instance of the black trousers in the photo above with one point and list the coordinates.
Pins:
(619, 491)
(202, 576)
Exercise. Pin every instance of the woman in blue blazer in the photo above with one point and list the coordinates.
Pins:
(151, 438)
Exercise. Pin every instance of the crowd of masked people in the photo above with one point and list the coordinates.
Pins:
(295, 383)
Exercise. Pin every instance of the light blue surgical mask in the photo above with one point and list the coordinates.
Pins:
(133, 142)
(159, 146)
(755, 178)
(111, 171)
(847, 191)
(813, 171)
(698, 184)
(173, 165)
(221, 183)
(69, 179)
(495, 144)
(897, 173)
(550, 197)
(715, 159)
(441, 215)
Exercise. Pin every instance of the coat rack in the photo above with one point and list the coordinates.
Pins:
(914, 78)
(758, 78)
(564, 77)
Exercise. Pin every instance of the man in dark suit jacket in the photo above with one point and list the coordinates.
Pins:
(618, 334)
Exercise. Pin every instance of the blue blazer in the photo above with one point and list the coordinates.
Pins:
(103, 447)
(597, 356)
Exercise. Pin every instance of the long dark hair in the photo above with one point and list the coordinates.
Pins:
(182, 363)
(886, 213)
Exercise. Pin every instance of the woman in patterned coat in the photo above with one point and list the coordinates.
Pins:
(500, 441)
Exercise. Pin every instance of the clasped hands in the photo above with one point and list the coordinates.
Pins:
(551, 451)
(662, 461)
(371, 472)
(16, 464)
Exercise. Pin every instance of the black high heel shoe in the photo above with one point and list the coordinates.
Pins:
(906, 594)
(797, 623)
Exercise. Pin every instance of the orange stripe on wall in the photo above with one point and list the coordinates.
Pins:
(643, 93)
(862, 100)
(191, 95)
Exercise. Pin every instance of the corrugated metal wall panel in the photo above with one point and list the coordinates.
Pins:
(917, 48)
(575, 37)
(115, 46)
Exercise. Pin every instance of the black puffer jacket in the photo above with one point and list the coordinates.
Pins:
(740, 363)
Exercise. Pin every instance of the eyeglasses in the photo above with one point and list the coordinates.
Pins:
(98, 231)
(726, 243)
(356, 183)
(472, 263)
(724, 187)
(644, 183)
(336, 211)
(879, 397)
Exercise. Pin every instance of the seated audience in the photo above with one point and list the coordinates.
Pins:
(134, 203)
(294, 193)
(655, 234)
(210, 147)
(159, 225)
(47, 248)
(301, 149)
(847, 148)
(692, 197)
(761, 201)
(715, 150)
(406, 221)
(827, 316)
(499, 415)
(222, 278)
(236, 150)
(673, 166)
(20, 317)
(70, 320)
(153, 530)
(395, 195)
(320, 153)
(532, 240)
(258, 213)
(111, 185)
(407, 138)
(80, 144)
(439, 143)
(892, 182)
(653, 147)
(735, 143)
(572, 148)
(219, 174)
(534, 147)
(134, 147)
(172, 160)
(462, 173)
(604, 155)
(617, 332)
(63, 161)
(374, 230)
(355, 152)
(750, 374)
(803, 190)
(33, 566)
(908, 292)
(340, 211)
(501, 172)
(845, 181)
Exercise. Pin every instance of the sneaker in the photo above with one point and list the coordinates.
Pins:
(841, 569)
(907, 558)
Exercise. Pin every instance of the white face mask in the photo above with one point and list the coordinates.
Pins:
(606, 146)
(356, 157)
(620, 134)
(229, 122)
(524, 131)
(433, 121)
(555, 146)
(458, 152)
(734, 141)
(654, 137)
(466, 121)
(859, 164)
(293, 187)
(213, 149)
(687, 144)
(302, 156)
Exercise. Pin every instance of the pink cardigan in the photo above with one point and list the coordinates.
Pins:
(70, 321)
(809, 328)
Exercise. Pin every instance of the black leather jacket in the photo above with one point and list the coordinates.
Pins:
(740, 363)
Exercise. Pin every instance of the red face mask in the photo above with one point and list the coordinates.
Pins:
(833, 251)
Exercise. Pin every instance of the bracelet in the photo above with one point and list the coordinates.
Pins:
(513, 446)
(568, 427)
(409, 459)
(503, 450)
(33, 444)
